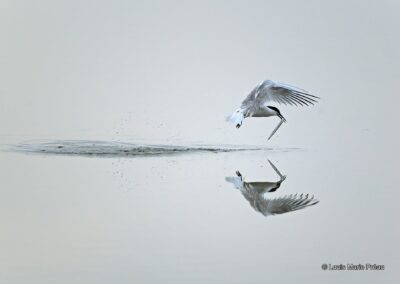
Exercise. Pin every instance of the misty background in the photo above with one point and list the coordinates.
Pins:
(170, 72)
(174, 70)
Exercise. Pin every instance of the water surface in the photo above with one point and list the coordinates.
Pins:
(176, 219)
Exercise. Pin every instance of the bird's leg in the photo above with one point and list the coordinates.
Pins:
(238, 125)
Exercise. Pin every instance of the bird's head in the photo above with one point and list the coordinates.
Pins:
(237, 180)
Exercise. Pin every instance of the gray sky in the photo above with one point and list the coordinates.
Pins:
(173, 70)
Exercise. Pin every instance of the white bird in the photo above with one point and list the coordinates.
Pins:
(254, 194)
(259, 102)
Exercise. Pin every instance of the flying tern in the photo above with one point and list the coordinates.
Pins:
(260, 102)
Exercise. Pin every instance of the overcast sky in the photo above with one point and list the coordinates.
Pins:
(172, 70)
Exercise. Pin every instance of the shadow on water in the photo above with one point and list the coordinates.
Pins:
(123, 149)
(254, 194)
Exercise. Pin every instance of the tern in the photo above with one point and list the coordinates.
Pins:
(259, 103)
(253, 192)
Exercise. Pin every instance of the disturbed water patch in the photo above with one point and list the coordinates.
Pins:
(124, 149)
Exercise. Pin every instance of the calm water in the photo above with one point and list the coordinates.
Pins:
(129, 175)
(176, 219)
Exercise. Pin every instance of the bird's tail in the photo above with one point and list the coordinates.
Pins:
(236, 117)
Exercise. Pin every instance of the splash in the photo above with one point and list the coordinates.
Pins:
(122, 149)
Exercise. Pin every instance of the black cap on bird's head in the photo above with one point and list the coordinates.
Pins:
(278, 113)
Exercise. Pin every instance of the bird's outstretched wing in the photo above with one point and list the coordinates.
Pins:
(270, 91)
(283, 204)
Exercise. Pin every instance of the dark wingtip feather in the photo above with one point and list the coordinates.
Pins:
(306, 94)
(306, 97)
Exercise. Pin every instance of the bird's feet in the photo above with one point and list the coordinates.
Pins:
(238, 174)
(238, 125)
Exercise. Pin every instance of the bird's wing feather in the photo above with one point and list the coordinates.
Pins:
(270, 91)
(251, 98)
(287, 203)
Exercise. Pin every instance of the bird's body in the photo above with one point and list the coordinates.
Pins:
(261, 112)
(261, 100)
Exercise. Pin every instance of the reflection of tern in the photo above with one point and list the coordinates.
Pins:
(259, 102)
(254, 191)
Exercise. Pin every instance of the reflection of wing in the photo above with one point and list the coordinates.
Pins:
(277, 205)
(284, 204)
(270, 91)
